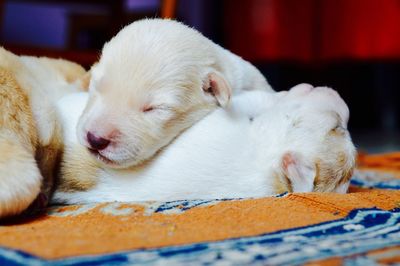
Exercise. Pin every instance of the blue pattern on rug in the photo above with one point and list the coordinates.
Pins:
(184, 205)
(362, 230)
(371, 179)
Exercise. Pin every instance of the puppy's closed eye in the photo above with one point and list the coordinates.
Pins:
(147, 109)
(338, 130)
(151, 108)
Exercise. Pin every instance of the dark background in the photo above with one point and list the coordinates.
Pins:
(350, 45)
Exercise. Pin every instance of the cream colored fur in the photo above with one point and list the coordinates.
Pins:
(154, 79)
(20, 178)
(30, 135)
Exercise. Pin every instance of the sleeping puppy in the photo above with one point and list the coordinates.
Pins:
(154, 79)
(30, 136)
(262, 145)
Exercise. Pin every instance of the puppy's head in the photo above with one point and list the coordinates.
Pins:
(313, 148)
(153, 80)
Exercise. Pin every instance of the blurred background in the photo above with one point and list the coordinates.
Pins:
(350, 45)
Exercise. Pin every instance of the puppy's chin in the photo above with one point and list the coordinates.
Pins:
(108, 162)
(101, 158)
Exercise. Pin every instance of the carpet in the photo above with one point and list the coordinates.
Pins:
(358, 228)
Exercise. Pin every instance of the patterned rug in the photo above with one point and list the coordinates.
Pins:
(358, 228)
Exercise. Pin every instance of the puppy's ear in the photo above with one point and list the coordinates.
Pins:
(300, 172)
(84, 81)
(216, 86)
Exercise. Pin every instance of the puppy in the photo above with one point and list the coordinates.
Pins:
(154, 79)
(30, 136)
(262, 145)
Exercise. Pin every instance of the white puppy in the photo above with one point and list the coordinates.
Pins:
(264, 144)
(154, 79)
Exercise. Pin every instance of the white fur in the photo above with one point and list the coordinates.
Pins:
(231, 153)
(162, 64)
(44, 86)
(20, 180)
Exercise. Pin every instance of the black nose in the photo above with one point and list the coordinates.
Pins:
(97, 143)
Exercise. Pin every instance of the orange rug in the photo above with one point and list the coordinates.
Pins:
(362, 226)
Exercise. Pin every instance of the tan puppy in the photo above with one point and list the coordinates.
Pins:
(30, 136)
(154, 79)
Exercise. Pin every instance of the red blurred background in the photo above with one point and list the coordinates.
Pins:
(314, 30)
(350, 45)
